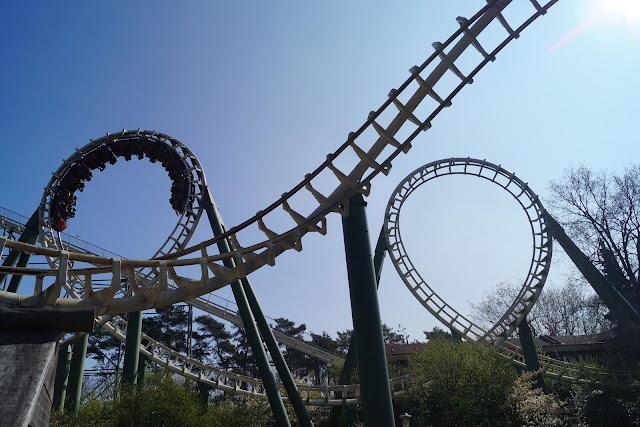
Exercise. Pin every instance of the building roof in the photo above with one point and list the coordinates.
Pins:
(553, 345)
(570, 343)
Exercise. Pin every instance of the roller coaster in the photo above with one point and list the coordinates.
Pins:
(80, 275)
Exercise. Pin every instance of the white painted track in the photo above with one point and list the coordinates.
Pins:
(329, 186)
(165, 283)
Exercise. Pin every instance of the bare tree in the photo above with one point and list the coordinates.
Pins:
(566, 310)
(600, 211)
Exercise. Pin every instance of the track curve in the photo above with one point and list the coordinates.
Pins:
(248, 386)
(531, 287)
(440, 309)
(183, 167)
(368, 143)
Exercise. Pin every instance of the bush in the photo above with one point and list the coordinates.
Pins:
(470, 385)
(164, 400)
(532, 407)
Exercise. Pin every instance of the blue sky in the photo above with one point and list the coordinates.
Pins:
(262, 91)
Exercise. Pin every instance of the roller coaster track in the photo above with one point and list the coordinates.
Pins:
(532, 285)
(418, 90)
(178, 363)
(212, 304)
(376, 144)
(234, 383)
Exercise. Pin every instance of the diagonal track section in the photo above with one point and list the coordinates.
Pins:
(249, 258)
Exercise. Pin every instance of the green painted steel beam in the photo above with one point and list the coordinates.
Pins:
(62, 376)
(76, 372)
(142, 368)
(204, 395)
(350, 359)
(132, 348)
(276, 356)
(379, 254)
(529, 352)
(373, 373)
(253, 336)
(30, 236)
(619, 307)
(260, 356)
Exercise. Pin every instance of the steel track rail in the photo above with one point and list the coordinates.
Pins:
(531, 287)
(421, 85)
(540, 259)
(212, 304)
(187, 221)
(189, 368)
(243, 385)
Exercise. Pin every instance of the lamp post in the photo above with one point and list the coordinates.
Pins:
(406, 419)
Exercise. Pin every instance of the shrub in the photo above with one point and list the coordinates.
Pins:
(469, 386)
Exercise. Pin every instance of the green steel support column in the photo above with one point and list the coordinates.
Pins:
(132, 348)
(373, 373)
(16, 279)
(29, 235)
(142, 368)
(268, 379)
(350, 360)
(529, 351)
(62, 377)
(378, 255)
(204, 395)
(345, 378)
(76, 372)
(276, 356)
(189, 329)
(619, 307)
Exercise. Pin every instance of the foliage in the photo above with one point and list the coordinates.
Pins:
(169, 326)
(344, 341)
(244, 362)
(532, 407)
(611, 401)
(438, 334)
(105, 349)
(224, 411)
(469, 385)
(165, 400)
(622, 351)
(213, 342)
(395, 336)
(389, 334)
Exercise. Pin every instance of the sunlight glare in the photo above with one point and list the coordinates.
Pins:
(630, 9)
(627, 11)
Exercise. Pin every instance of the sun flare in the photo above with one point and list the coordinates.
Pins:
(629, 9)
